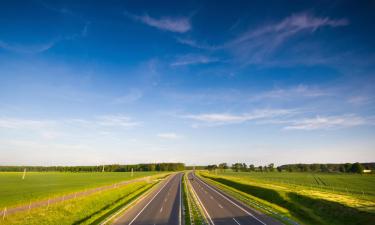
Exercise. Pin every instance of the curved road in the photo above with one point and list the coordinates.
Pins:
(161, 207)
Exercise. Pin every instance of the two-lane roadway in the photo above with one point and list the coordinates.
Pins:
(221, 209)
(161, 207)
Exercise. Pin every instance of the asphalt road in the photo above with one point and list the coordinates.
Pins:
(222, 209)
(161, 207)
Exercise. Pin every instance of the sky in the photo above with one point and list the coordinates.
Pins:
(198, 82)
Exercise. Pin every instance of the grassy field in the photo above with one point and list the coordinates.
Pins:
(39, 185)
(362, 186)
(91, 209)
(295, 196)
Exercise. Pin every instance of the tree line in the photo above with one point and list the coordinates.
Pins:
(315, 167)
(99, 168)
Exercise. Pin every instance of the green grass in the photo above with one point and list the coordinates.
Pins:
(40, 185)
(363, 186)
(91, 209)
(300, 202)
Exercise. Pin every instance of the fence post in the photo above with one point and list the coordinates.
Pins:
(4, 213)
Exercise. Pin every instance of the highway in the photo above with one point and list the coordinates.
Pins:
(161, 207)
(221, 209)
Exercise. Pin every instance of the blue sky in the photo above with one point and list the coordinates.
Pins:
(199, 82)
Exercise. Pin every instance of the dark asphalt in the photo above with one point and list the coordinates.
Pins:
(161, 207)
(222, 209)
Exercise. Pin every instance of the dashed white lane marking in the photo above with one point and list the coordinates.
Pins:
(165, 200)
(220, 206)
(211, 197)
(161, 209)
(234, 221)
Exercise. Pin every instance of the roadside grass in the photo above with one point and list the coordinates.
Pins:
(301, 205)
(41, 185)
(91, 209)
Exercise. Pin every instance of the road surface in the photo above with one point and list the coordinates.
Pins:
(161, 207)
(222, 209)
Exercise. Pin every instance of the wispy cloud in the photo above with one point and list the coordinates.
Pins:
(27, 49)
(227, 118)
(116, 120)
(132, 96)
(42, 47)
(292, 93)
(176, 24)
(170, 135)
(193, 60)
(255, 45)
(328, 122)
(49, 129)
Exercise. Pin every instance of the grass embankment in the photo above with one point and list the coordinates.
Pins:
(193, 213)
(298, 202)
(42, 185)
(91, 209)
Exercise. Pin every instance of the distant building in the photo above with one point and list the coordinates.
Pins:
(366, 171)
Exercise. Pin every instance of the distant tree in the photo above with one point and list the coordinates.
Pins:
(223, 166)
(357, 168)
(251, 167)
(271, 167)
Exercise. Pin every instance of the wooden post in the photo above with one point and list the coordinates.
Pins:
(29, 207)
(24, 174)
(4, 213)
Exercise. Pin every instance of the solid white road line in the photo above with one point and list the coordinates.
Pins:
(149, 202)
(236, 221)
(180, 211)
(248, 213)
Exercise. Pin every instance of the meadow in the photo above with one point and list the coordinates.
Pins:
(362, 186)
(91, 209)
(41, 185)
(303, 197)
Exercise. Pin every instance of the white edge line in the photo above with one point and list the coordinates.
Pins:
(149, 202)
(209, 217)
(250, 214)
(125, 207)
(180, 212)
(236, 221)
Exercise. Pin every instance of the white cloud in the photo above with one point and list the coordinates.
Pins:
(255, 45)
(193, 60)
(116, 121)
(169, 136)
(226, 118)
(178, 24)
(132, 96)
(328, 122)
(293, 92)
(27, 49)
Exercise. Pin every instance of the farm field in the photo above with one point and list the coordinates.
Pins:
(91, 209)
(362, 186)
(296, 196)
(39, 185)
